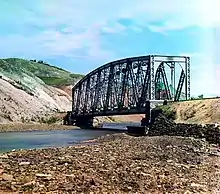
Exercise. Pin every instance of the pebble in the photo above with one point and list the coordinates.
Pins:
(30, 183)
(24, 163)
(43, 175)
(164, 126)
(7, 177)
(4, 156)
(196, 185)
(123, 163)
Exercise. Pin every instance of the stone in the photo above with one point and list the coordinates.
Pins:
(24, 163)
(3, 156)
(196, 185)
(164, 126)
(139, 165)
(30, 183)
(1, 171)
(43, 175)
(7, 177)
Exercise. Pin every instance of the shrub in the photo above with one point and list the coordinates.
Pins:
(50, 120)
(168, 112)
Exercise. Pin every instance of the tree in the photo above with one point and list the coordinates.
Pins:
(200, 96)
(40, 62)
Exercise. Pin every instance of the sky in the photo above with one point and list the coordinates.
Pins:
(81, 35)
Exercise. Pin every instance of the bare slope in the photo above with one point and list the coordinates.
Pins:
(26, 96)
(198, 111)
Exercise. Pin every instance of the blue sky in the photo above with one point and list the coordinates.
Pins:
(80, 35)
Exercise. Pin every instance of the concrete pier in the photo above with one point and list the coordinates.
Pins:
(137, 130)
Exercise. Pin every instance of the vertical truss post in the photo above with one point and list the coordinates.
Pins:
(187, 82)
(104, 87)
(73, 98)
(188, 75)
(174, 82)
(109, 88)
(92, 91)
(97, 88)
(78, 98)
(87, 91)
(125, 72)
(173, 92)
(145, 93)
(152, 82)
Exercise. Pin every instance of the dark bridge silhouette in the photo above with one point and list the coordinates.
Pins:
(130, 86)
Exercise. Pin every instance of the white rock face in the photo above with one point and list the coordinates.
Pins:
(17, 103)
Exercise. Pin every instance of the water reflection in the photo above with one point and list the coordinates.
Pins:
(43, 139)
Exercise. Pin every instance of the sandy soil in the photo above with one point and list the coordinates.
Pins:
(198, 111)
(119, 118)
(67, 89)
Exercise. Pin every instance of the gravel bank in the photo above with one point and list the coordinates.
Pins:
(164, 126)
(30, 127)
(116, 164)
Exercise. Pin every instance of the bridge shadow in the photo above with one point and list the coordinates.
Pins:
(103, 128)
(135, 131)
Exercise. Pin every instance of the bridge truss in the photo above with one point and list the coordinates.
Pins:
(124, 86)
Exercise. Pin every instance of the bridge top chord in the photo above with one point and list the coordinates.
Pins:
(159, 58)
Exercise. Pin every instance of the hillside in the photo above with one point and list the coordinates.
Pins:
(198, 111)
(31, 90)
(49, 74)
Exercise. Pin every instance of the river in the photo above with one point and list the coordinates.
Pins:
(53, 138)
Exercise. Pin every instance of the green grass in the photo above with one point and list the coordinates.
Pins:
(57, 81)
(172, 90)
(168, 111)
(49, 74)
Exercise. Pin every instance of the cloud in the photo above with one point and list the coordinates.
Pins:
(202, 74)
(79, 29)
(66, 26)
(175, 14)
(179, 14)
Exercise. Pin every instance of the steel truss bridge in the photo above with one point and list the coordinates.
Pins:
(130, 86)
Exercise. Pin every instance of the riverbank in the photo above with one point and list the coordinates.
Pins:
(32, 126)
(115, 164)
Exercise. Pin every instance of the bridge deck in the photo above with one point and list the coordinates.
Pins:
(122, 111)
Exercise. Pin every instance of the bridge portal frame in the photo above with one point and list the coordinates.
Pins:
(171, 61)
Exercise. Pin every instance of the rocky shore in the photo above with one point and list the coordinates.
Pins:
(32, 126)
(115, 164)
(164, 126)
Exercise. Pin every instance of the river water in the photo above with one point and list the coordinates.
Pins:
(53, 138)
